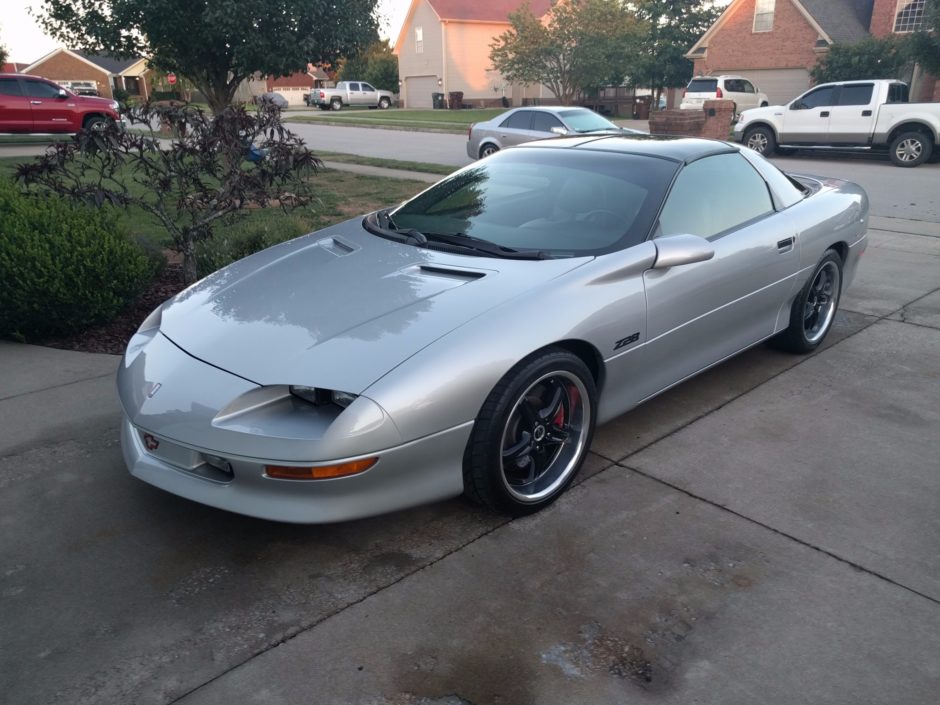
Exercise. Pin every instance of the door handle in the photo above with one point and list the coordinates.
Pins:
(866, 113)
(824, 113)
(784, 246)
(35, 102)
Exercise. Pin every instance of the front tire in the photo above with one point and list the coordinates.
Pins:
(532, 434)
(814, 309)
(761, 139)
(911, 149)
(385, 104)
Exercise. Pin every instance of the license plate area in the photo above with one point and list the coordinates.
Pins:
(208, 467)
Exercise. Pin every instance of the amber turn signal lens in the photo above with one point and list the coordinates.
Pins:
(320, 472)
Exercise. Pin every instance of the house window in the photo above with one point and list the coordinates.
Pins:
(764, 15)
(909, 15)
(419, 40)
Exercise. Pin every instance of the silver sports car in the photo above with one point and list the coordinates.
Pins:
(470, 340)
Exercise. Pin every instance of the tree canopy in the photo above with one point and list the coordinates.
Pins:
(376, 64)
(3, 54)
(582, 45)
(869, 58)
(215, 43)
(674, 27)
(925, 44)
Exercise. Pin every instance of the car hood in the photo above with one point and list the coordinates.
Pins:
(340, 308)
(92, 101)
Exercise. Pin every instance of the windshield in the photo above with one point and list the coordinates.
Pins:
(559, 202)
(586, 121)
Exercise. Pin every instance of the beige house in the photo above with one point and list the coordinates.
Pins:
(444, 46)
(99, 72)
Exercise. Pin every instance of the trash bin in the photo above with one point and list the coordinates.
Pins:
(641, 107)
(437, 100)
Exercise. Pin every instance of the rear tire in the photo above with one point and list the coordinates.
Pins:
(761, 139)
(911, 149)
(814, 308)
(336, 104)
(532, 434)
(488, 149)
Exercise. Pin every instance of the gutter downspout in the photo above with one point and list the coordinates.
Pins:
(444, 57)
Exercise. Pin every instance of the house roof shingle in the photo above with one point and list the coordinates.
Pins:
(842, 20)
(484, 10)
(108, 63)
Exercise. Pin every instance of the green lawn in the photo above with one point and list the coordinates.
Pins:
(444, 120)
(33, 139)
(426, 167)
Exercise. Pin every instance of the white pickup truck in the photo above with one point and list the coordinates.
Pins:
(850, 115)
(350, 93)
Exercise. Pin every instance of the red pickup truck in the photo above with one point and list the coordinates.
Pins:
(29, 104)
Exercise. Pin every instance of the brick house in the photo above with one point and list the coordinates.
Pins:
(107, 73)
(776, 43)
(444, 46)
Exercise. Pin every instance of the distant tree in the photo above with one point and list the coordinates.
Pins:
(4, 54)
(925, 44)
(376, 64)
(889, 57)
(215, 43)
(583, 45)
(209, 175)
(674, 27)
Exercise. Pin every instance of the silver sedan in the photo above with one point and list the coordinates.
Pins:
(536, 123)
(471, 339)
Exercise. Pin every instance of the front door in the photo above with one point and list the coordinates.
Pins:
(699, 314)
(806, 119)
(51, 113)
(15, 112)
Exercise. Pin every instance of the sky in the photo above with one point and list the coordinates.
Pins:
(21, 35)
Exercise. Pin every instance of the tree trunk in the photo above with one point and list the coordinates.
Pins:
(189, 261)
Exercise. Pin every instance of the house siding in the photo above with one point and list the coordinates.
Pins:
(64, 67)
(431, 61)
(469, 68)
(789, 45)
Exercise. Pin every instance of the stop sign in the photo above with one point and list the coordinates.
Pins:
(171, 78)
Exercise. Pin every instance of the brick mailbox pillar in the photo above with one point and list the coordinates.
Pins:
(713, 121)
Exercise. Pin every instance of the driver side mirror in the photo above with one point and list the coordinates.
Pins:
(559, 130)
(676, 250)
(62, 94)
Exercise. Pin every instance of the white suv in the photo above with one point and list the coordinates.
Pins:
(737, 88)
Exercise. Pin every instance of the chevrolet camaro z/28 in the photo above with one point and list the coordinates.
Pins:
(471, 339)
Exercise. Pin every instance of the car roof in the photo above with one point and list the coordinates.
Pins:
(677, 149)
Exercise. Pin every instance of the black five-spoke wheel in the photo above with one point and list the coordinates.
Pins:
(532, 434)
(814, 308)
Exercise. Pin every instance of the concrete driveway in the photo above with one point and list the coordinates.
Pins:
(765, 533)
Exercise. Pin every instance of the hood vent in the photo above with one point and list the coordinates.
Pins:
(451, 273)
(336, 246)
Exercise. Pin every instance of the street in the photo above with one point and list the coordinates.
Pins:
(766, 532)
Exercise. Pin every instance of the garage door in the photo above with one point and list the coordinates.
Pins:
(419, 90)
(780, 85)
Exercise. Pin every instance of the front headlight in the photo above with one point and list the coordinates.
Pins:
(115, 106)
(319, 397)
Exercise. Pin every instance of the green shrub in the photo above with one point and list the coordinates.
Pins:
(63, 267)
(249, 236)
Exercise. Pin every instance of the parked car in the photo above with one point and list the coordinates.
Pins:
(351, 93)
(29, 104)
(735, 88)
(81, 87)
(857, 115)
(470, 339)
(274, 99)
(535, 123)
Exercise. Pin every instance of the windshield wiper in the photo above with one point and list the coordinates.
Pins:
(416, 235)
(485, 246)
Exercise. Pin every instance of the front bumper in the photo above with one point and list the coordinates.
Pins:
(210, 434)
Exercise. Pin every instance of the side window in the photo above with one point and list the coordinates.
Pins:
(518, 121)
(713, 195)
(354, 86)
(733, 85)
(544, 122)
(41, 89)
(748, 87)
(897, 93)
(819, 98)
(419, 40)
(857, 94)
(10, 86)
(366, 87)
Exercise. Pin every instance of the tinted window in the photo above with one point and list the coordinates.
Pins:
(702, 85)
(897, 93)
(9, 86)
(817, 99)
(560, 201)
(41, 89)
(734, 85)
(367, 87)
(713, 195)
(748, 87)
(354, 86)
(544, 122)
(857, 94)
(518, 121)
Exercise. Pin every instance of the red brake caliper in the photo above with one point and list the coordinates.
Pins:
(559, 419)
